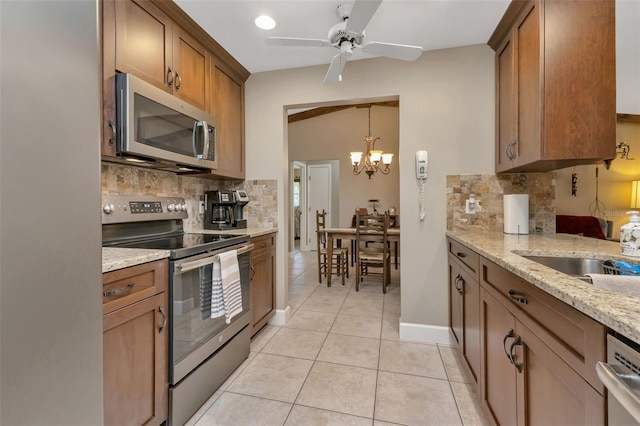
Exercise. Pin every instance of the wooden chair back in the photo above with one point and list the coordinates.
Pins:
(372, 228)
(321, 223)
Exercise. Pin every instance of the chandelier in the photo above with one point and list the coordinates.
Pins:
(371, 161)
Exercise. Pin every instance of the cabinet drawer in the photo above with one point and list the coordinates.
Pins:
(576, 338)
(126, 286)
(467, 257)
(263, 243)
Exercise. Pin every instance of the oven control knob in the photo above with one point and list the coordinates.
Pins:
(108, 208)
(171, 207)
(183, 207)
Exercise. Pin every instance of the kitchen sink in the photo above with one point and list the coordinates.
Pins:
(577, 267)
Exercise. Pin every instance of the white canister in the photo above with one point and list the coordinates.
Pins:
(516, 214)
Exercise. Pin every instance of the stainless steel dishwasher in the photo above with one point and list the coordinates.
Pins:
(621, 376)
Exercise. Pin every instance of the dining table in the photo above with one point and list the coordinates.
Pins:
(339, 234)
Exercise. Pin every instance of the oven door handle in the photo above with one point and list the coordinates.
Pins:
(189, 266)
(619, 388)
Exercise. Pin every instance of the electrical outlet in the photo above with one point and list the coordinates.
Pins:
(201, 207)
(472, 206)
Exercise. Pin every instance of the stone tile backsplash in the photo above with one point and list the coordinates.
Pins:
(489, 190)
(262, 210)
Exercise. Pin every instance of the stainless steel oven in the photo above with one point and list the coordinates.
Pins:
(203, 351)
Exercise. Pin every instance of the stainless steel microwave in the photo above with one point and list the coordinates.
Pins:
(156, 126)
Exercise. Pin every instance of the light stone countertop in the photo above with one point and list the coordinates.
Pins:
(618, 312)
(114, 258)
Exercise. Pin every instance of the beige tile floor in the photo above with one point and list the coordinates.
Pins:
(339, 361)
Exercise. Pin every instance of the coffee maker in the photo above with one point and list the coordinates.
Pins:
(223, 209)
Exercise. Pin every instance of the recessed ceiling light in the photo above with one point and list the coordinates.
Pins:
(265, 22)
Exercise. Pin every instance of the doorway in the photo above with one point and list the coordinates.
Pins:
(299, 206)
(318, 196)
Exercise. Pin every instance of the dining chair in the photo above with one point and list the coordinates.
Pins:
(340, 254)
(372, 248)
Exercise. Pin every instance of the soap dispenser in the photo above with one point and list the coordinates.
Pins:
(630, 236)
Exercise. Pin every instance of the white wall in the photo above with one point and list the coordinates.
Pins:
(50, 293)
(446, 107)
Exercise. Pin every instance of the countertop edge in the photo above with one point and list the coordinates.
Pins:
(114, 258)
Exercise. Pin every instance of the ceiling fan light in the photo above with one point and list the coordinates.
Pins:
(265, 22)
(386, 158)
(355, 157)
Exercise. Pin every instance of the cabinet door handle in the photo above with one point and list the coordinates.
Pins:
(253, 274)
(461, 255)
(461, 282)
(169, 77)
(509, 149)
(115, 292)
(518, 365)
(178, 81)
(517, 297)
(504, 344)
(164, 319)
(112, 139)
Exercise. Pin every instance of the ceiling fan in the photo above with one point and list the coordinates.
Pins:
(349, 35)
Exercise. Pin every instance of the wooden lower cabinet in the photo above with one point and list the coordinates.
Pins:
(263, 295)
(524, 382)
(470, 349)
(135, 345)
(464, 314)
(498, 390)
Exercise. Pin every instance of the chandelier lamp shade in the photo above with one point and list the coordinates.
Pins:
(372, 160)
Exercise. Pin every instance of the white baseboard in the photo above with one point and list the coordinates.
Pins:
(426, 333)
(281, 316)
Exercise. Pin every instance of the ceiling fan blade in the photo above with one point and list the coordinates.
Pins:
(403, 52)
(335, 69)
(293, 41)
(361, 14)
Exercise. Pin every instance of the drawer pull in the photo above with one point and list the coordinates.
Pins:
(164, 319)
(459, 280)
(517, 365)
(460, 254)
(253, 274)
(129, 287)
(518, 298)
(504, 344)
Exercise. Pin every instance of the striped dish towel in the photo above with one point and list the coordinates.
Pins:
(205, 294)
(217, 300)
(231, 289)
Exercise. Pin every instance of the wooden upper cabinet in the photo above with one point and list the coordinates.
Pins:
(189, 69)
(144, 42)
(227, 105)
(150, 46)
(555, 84)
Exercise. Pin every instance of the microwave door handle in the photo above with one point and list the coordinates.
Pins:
(205, 135)
(194, 137)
